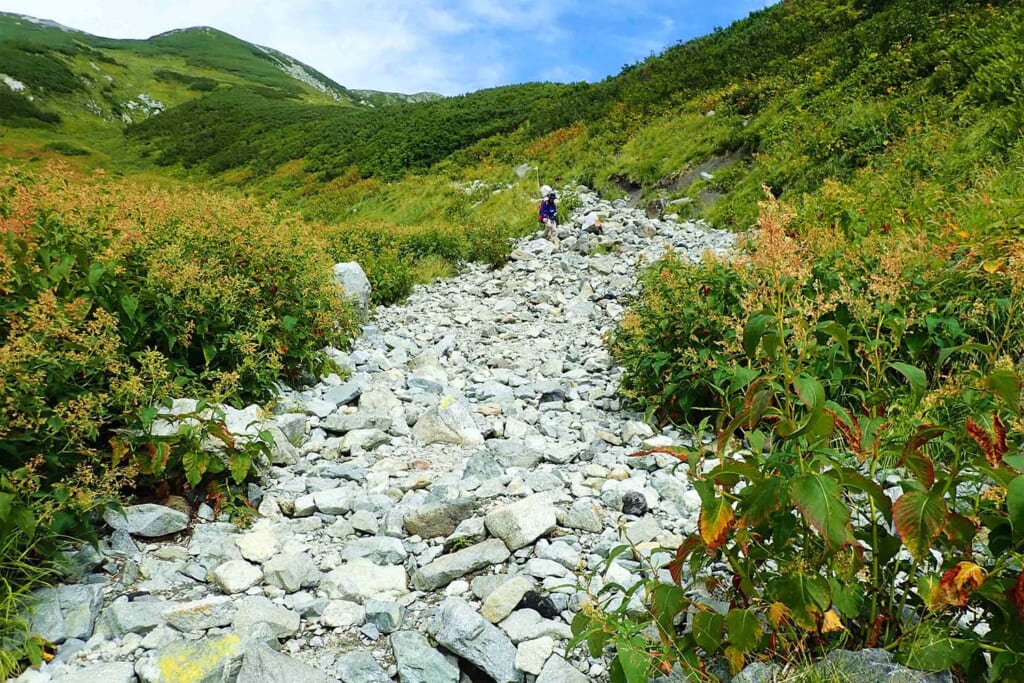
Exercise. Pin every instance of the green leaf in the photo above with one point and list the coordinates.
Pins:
(129, 304)
(837, 332)
(948, 351)
(806, 595)
(596, 640)
(919, 517)
(289, 322)
(716, 515)
(1015, 461)
(930, 649)
(96, 271)
(915, 376)
(811, 393)
(744, 629)
(209, 352)
(707, 630)
(194, 462)
(580, 629)
(961, 531)
(1006, 385)
(632, 655)
(752, 333)
(847, 597)
(1015, 504)
(763, 498)
(6, 502)
(667, 601)
(24, 519)
(855, 480)
(615, 672)
(34, 652)
(240, 464)
(817, 498)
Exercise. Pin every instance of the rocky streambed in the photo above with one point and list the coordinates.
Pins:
(427, 518)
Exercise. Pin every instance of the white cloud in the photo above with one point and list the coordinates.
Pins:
(448, 46)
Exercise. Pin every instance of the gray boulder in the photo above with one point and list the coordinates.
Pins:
(354, 283)
(447, 568)
(361, 667)
(439, 519)
(147, 520)
(450, 422)
(874, 665)
(111, 672)
(257, 610)
(263, 665)
(420, 663)
(199, 615)
(523, 522)
(557, 670)
(291, 572)
(65, 612)
(462, 630)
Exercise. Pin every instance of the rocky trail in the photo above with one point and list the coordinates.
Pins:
(425, 519)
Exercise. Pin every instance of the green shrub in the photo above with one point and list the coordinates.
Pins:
(832, 359)
(118, 298)
(68, 149)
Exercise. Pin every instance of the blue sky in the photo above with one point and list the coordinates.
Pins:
(447, 46)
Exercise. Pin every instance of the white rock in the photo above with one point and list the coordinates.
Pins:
(235, 576)
(523, 522)
(531, 654)
(362, 580)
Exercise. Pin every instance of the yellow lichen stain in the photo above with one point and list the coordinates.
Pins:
(193, 663)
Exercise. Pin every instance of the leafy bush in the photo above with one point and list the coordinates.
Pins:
(42, 72)
(118, 298)
(16, 110)
(832, 365)
(67, 149)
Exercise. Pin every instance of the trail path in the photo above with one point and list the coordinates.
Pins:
(477, 456)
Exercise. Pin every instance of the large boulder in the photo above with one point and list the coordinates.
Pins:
(263, 665)
(447, 568)
(522, 522)
(354, 283)
(461, 629)
(420, 663)
(147, 520)
(450, 422)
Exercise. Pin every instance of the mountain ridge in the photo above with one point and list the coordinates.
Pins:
(208, 56)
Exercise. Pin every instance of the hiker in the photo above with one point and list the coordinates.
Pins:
(549, 217)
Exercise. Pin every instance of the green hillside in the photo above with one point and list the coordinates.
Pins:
(872, 335)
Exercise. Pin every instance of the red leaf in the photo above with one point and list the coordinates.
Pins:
(919, 518)
(960, 581)
(1017, 596)
(675, 567)
(984, 441)
(1000, 432)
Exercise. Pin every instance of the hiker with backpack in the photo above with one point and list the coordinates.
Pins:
(549, 217)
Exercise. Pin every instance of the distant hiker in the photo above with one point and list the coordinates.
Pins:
(549, 216)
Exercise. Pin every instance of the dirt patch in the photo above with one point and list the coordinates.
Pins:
(678, 182)
(634, 189)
